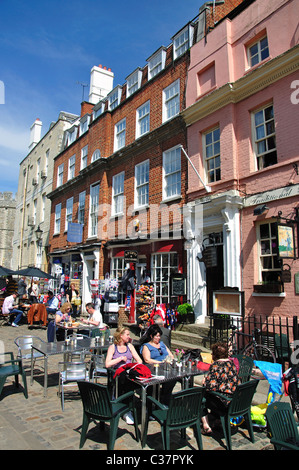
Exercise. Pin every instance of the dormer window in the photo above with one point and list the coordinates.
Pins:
(71, 135)
(134, 82)
(114, 97)
(156, 62)
(98, 109)
(84, 124)
(182, 41)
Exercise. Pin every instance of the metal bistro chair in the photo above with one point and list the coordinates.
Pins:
(11, 367)
(239, 405)
(98, 405)
(282, 426)
(184, 410)
(24, 345)
(69, 374)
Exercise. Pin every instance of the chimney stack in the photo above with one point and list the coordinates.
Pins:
(35, 133)
(101, 83)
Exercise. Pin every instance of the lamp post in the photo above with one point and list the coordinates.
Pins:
(39, 234)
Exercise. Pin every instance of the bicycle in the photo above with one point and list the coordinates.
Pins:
(258, 352)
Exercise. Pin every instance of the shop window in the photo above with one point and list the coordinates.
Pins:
(163, 264)
(117, 270)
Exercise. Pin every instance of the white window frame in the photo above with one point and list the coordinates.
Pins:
(84, 123)
(96, 155)
(81, 207)
(174, 172)
(72, 167)
(98, 109)
(84, 156)
(68, 212)
(263, 137)
(118, 182)
(60, 170)
(118, 267)
(71, 135)
(35, 211)
(143, 119)
(182, 41)
(43, 207)
(120, 135)
(261, 53)
(57, 219)
(142, 184)
(266, 253)
(156, 63)
(134, 82)
(114, 98)
(171, 101)
(212, 154)
(162, 266)
(93, 210)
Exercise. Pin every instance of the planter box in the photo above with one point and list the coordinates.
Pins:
(187, 318)
(267, 288)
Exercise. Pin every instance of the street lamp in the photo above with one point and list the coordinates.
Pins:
(38, 234)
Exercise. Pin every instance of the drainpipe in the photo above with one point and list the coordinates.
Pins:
(23, 216)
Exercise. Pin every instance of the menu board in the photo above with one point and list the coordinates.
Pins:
(228, 302)
(178, 284)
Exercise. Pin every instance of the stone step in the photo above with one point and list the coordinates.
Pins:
(176, 344)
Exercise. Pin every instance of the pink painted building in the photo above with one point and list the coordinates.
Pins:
(242, 110)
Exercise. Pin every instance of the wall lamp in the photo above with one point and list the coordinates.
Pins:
(259, 210)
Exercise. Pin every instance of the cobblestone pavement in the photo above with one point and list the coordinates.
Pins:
(39, 423)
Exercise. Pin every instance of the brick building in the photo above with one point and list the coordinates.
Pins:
(241, 116)
(123, 175)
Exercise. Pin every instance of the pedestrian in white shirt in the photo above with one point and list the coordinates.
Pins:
(9, 309)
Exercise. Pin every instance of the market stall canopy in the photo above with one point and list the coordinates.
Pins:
(5, 271)
(34, 272)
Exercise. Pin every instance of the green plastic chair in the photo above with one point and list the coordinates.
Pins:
(246, 364)
(12, 367)
(282, 349)
(238, 405)
(184, 410)
(282, 426)
(97, 405)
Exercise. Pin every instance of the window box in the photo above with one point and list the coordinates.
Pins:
(270, 288)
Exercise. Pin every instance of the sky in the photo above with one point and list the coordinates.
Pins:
(47, 49)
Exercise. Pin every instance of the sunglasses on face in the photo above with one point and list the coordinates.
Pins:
(160, 351)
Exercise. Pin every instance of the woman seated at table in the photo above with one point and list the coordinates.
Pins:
(154, 351)
(222, 377)
(63, 314)
(120, 353)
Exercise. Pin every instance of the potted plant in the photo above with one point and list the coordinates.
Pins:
(185, 313)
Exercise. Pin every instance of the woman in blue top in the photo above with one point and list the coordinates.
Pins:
(154, 351)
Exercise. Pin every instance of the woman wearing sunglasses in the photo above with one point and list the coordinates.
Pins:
(154, 351)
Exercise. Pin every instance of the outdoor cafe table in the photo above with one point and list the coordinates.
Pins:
(60, 347)
(79, 327)
(164, 373)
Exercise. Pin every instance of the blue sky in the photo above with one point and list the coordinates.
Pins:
(48, 47)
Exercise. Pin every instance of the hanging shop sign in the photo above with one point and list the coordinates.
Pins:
(286, 241)
(131, 256)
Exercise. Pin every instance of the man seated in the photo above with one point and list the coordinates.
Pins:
(9, 309)
(95, 317)
(52, 304)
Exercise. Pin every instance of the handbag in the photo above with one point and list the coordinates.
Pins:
(77, 301)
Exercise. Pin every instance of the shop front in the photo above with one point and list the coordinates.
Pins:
(144, 271)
